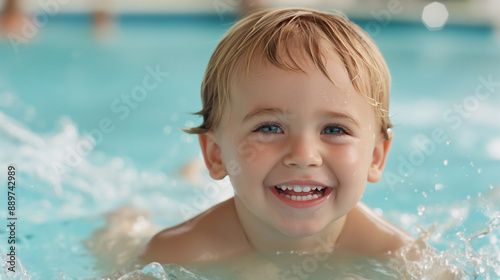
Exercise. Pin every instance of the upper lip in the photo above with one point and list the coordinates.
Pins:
(302, 183)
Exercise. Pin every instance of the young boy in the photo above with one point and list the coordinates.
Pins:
(295, 112)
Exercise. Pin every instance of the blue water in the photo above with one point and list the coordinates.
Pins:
(64, 84)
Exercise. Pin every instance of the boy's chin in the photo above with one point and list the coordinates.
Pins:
(301, 230)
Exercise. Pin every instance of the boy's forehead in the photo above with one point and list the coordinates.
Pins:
(259, 68)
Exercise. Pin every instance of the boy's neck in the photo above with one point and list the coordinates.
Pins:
(265, 239)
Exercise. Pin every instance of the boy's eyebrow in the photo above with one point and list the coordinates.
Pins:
(262, 111)
(340, 115)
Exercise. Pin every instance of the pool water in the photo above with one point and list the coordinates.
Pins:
(441, 180)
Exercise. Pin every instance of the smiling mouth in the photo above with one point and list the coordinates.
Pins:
(300, 193)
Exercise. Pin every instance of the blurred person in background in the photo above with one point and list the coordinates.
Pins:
(102, 18)
(11, 17)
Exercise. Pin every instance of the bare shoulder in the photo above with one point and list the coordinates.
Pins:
(214, 234)
(367, 233)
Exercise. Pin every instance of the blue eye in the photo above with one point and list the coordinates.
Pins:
(269, 128)
(333, 130)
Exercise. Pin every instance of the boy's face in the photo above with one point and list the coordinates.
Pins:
(296, 130)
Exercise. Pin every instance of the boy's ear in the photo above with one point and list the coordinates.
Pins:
(380, 152)
(212, 155)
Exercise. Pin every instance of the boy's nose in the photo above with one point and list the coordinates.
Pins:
(303, 153)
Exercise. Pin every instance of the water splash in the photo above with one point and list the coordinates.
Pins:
(65, 180)
(19, 272)
(422, 261)
(419, 260)
(485, 262)
(155, 270)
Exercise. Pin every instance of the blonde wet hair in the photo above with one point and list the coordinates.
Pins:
(271, 32)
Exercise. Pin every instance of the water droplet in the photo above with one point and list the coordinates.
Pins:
(493, 239)
(448, 142)
(421, 210)
(445, 162)
(424, 194)
(468, 197)
(479, 170)
(472, 164)
(438, 187)
(405, 219)
(455, 213)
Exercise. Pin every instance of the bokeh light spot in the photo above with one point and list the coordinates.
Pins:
(435, 16)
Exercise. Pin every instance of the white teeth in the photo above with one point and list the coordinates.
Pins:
(301, 197)
(298, 189)
(303, 189)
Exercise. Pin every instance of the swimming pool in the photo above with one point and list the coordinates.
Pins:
(132, 91)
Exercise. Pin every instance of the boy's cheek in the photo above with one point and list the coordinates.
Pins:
(249, 149)
(349, 154)
(242, 159)
(247, 163)
(351, 160)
